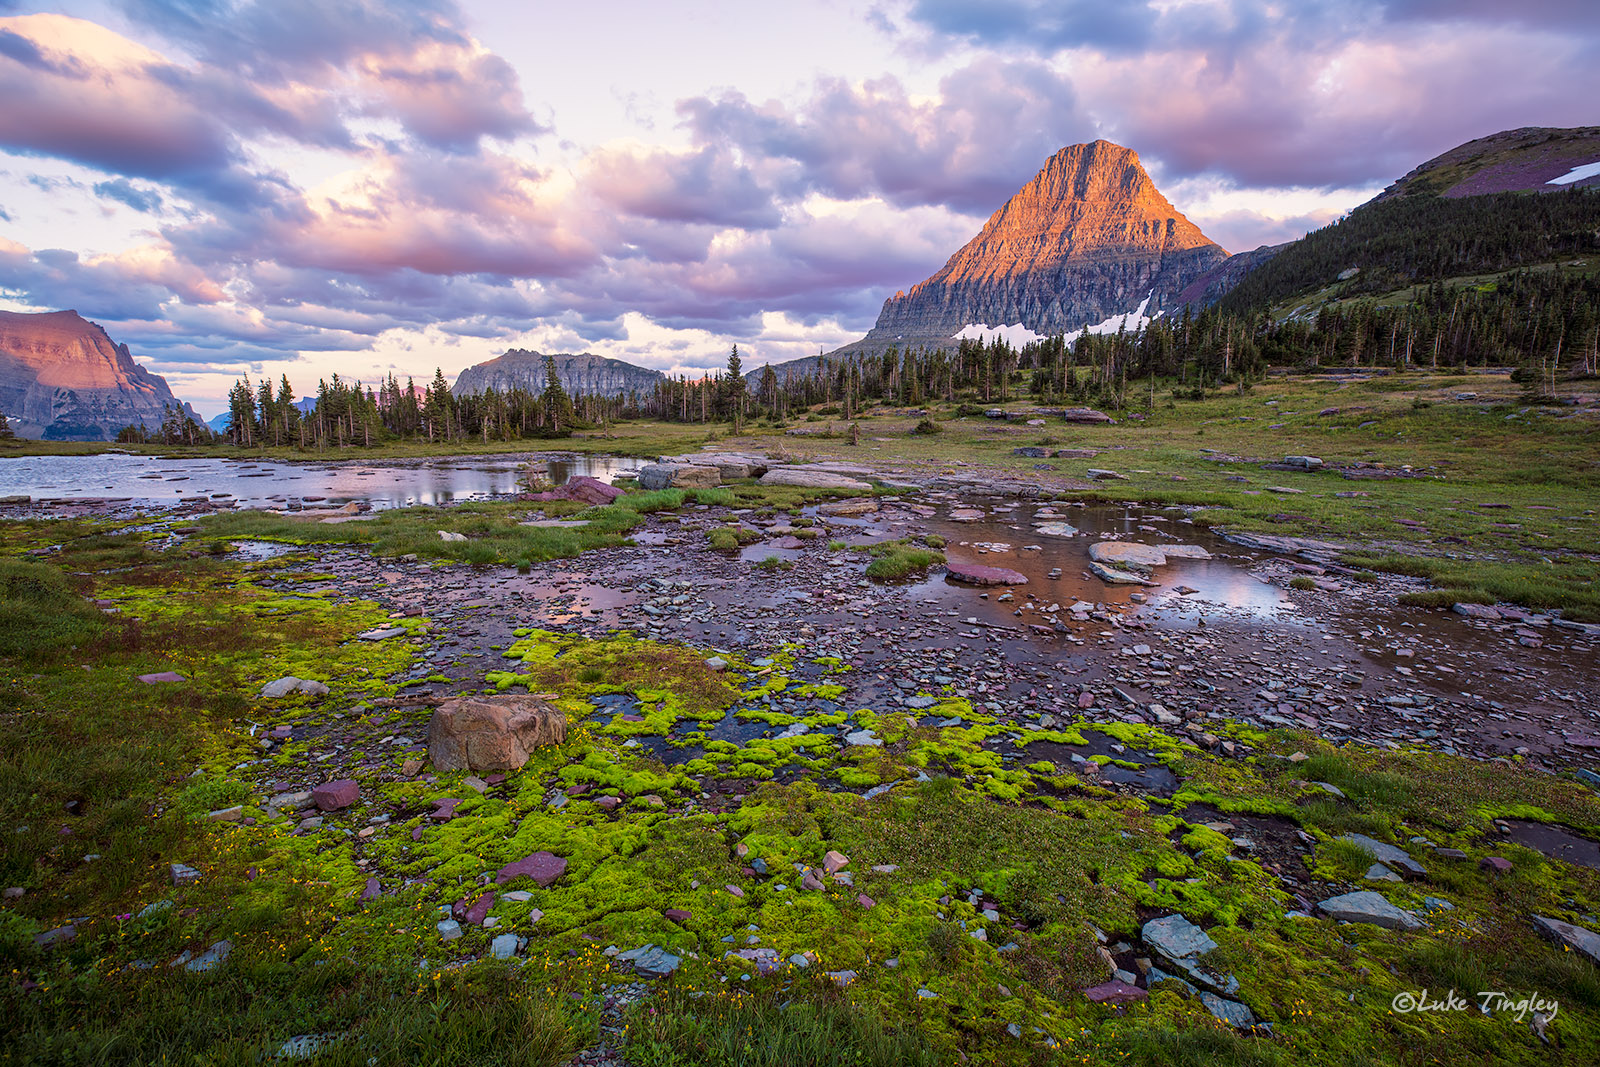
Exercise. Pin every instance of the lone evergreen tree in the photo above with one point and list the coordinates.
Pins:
(555, 401)
(735, 390)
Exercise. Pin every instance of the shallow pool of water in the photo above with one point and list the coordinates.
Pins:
(264, 484)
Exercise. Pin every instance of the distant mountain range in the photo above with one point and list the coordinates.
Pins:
(1088, 244)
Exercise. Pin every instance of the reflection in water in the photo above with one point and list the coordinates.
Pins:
(1057, 567)
(269, 484)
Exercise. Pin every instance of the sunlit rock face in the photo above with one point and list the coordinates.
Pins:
(63, 378)
(1089, 239)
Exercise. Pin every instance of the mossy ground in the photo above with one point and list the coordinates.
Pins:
(1069, 862)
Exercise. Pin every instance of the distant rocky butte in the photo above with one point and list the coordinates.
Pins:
(63, 378)
(1088, 239)
(588, 374)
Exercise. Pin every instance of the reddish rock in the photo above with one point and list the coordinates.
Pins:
(678, 915)
(372, 890)
(608, 803)
(865, 901)
(474, 912)
(583, 489)
(834, 862)
(445, 809)
(975, 574)
(335, 796)
(542, 867)
(1497, 864)
(1085, 699)
(1115, 991)
(492, 733)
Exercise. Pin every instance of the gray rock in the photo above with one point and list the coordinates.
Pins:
(1584, 942)
(1229, 1011)
(1368, 907)
(813, 479)
(1475, 611)
(651, 961)
(1397, 858)
(1176, 938)
(183, 874)
(503, 947)
(449, 930)
(678, 476)
(382, 633)
(210, 958)
(289, 685)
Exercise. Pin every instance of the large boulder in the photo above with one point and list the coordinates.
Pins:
(492, 733)
(728, 464)
(811, 478)
(583, 489)
(679, 476)
(1369, 907)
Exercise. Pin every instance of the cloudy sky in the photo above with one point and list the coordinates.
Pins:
(311, 186)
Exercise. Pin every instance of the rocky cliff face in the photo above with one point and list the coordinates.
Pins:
(1087, 239)
(586, 374)
(63, 378)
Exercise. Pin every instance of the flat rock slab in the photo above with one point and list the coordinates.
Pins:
(1056, 529)
(382, 633)
(543, 867)
(849, 508)
(1229, 1011)
(1583, 941)
(814, 479)
(1176, 938)
(1116, 575)
(1115, 991)
(1127, 554)
(977, 574)
(1388, 854)
(651, 961)
(729, 464)
(1368, 907)
(163, 676)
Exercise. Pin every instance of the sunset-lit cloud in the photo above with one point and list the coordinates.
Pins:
(293, 186)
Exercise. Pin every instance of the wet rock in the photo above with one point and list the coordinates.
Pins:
(849, 508)
(1475, 611)
(1116, 575)
(975, 574)
(1368, 907)
(1583, 941)
(543, 867)
(290, 685)
(336, 795)
(492, 733)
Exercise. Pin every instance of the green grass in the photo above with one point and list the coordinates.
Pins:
(41, 616)
(769, 1028)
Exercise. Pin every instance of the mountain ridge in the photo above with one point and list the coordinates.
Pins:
(581, 373)
(63, 378)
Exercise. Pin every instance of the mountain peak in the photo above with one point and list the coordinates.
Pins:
(1088, 238)
(64, 378)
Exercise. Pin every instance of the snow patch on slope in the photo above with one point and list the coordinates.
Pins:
(1577, 174)
(1017, 335)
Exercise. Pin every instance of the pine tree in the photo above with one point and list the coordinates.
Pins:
(734, 390)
